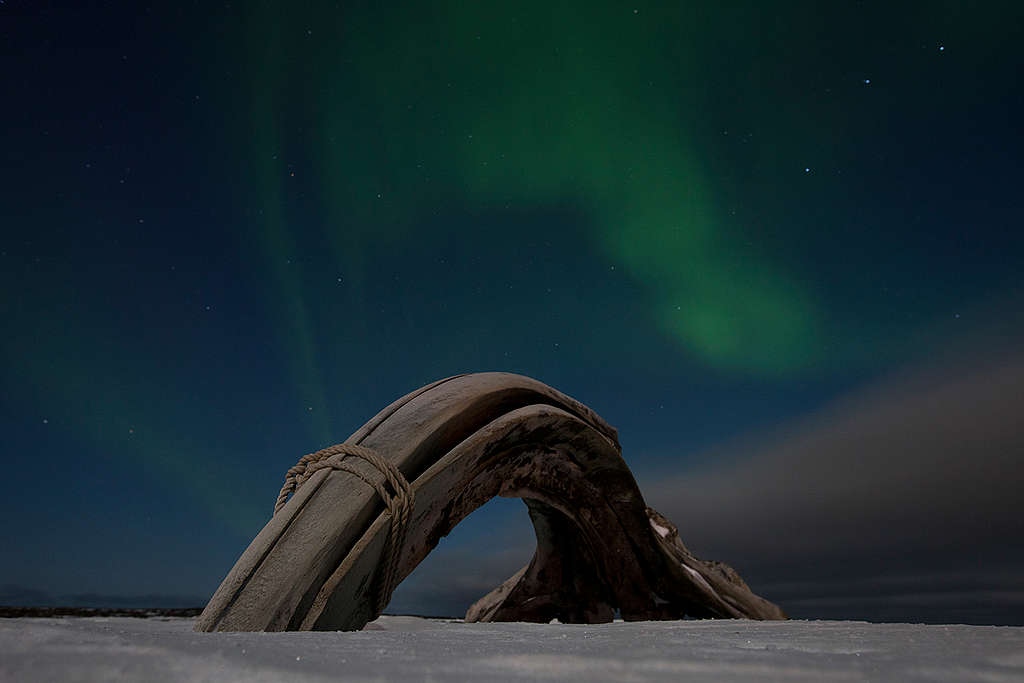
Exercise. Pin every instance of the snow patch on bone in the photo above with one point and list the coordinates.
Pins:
(699, 579)
(662, 531)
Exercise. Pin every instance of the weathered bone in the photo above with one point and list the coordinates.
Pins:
(459, 442)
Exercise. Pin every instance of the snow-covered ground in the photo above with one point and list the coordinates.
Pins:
(408, 648)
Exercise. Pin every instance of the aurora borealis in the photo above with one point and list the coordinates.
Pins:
(233, 233)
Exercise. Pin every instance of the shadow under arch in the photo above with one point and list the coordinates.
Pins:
(459, 442)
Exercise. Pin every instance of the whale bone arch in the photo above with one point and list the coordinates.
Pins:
(459, 442)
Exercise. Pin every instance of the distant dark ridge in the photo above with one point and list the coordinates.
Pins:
(138, 613)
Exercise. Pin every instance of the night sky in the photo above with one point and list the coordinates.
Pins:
(778, 245)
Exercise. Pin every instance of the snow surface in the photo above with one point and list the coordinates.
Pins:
(409, 648)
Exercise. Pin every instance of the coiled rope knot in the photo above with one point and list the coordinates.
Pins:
(398, 501)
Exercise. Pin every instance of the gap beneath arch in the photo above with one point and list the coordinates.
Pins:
(494, 542)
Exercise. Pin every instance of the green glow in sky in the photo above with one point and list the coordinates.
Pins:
(409, 108)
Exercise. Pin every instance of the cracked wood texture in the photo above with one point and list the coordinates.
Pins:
(460, 442)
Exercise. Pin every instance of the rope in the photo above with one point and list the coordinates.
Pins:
(398, 501)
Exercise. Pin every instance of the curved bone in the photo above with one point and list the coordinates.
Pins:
(459, 442)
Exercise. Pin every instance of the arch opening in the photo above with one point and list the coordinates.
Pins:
(483, 550)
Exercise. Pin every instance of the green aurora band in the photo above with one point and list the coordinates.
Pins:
(411, 108)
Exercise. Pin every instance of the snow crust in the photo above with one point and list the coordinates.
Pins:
(409, 648)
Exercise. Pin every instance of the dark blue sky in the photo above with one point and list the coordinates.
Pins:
(755, 237)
